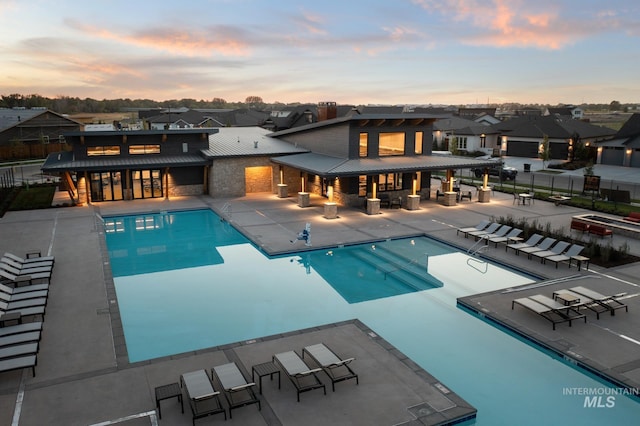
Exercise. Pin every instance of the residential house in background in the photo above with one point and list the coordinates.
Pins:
(574, 112)
(467, 135)
(33, 133)
(624, 148)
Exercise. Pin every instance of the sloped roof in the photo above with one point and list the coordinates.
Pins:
(630, 128)
(325, 165)
(241, 141)
(63, 161)
(462, 126)
(554, 127)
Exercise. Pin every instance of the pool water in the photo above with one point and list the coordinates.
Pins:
(186, 281)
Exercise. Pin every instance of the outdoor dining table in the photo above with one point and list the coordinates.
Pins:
(525, 197)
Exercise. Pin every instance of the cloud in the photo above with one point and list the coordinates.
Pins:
(217, 39)
(507, 23)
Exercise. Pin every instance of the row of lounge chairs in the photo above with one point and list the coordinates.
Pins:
(565, 305)
(537, 246)
(20, 340)
(204, 399)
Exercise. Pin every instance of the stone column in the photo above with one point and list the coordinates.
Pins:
(373, 206)
(484, 195)
(449, 198)
(413, 202)
(283, 191)
(330, 210)
(303, 199)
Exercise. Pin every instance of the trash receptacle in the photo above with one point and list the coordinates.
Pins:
(527, 167)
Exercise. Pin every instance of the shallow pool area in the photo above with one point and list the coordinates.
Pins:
(186, 281)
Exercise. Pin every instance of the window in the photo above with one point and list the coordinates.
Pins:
(418, 148)
(93, 151)
(144, 149)
(364, 144)
(462, 142)
(390, 182)
(391, 144)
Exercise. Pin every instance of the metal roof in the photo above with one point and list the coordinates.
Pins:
(324, 165)
(59, 162)
(247, 141)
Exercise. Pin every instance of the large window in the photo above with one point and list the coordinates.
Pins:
(418, 149)
(144, 149)
(364, 144)
(93, 151)
(391, 144)
(390, 182)
(462, 142)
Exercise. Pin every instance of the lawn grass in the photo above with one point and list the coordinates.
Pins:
(33, 197)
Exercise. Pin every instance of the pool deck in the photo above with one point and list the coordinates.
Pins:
(83, 377)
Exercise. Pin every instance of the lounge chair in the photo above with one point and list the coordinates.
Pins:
(26, 266)
(570, 311)
(19, 338)
(7, 352)
(513, 233)
(557, 249)
(493, 227)
(203, 399)
(26, 270)
(237, 391)
(20, 304)
(27, 327)
(479, 227)
(501, 232)
(335, 367)
(544, 245)
(553, 315)
(584, 302)
(610, 302)
(18, 279)
(23, 312)
(29, 259)
(303, 378)
(20, 290)
(19, 363)
(6, 297)
(531, 242)
(574, 250)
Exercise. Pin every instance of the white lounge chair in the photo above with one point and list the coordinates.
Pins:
(557, 249)
(574, 250)
(544, 245)
(303, 378)
(203, 399)
(237, 390)
(335, 367)
(479, 227)
(531, 242)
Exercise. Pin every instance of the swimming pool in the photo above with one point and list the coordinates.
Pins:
(405, 290)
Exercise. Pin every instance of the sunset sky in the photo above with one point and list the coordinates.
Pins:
(350, 52)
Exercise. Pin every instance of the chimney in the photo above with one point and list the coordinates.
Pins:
(327, 110)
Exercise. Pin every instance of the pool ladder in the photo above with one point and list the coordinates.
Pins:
(474, 261)
(226, 212)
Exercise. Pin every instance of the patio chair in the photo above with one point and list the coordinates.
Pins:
(500, 232)
(544, 245)
(26, 266)
(610, 302)
(6, 297)
(513, 233)
(237, 391)
(203, 399)
(35, 311)
(479, 227)
(570, 311)
(335, 367)
(26, 327)
(20, 290)
(493, 227)
(19, 338)
(19, 363)
(531, 242)
(29, 259)
(7, 352)
(550, 314)
(18, 279)
(26, 270)
(303, 378)
(557, 249)
(584, 302)
(21, 304)
(574, 250)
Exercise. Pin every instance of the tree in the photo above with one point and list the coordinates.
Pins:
(615, 106)
(254, 102)
(545, 151)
